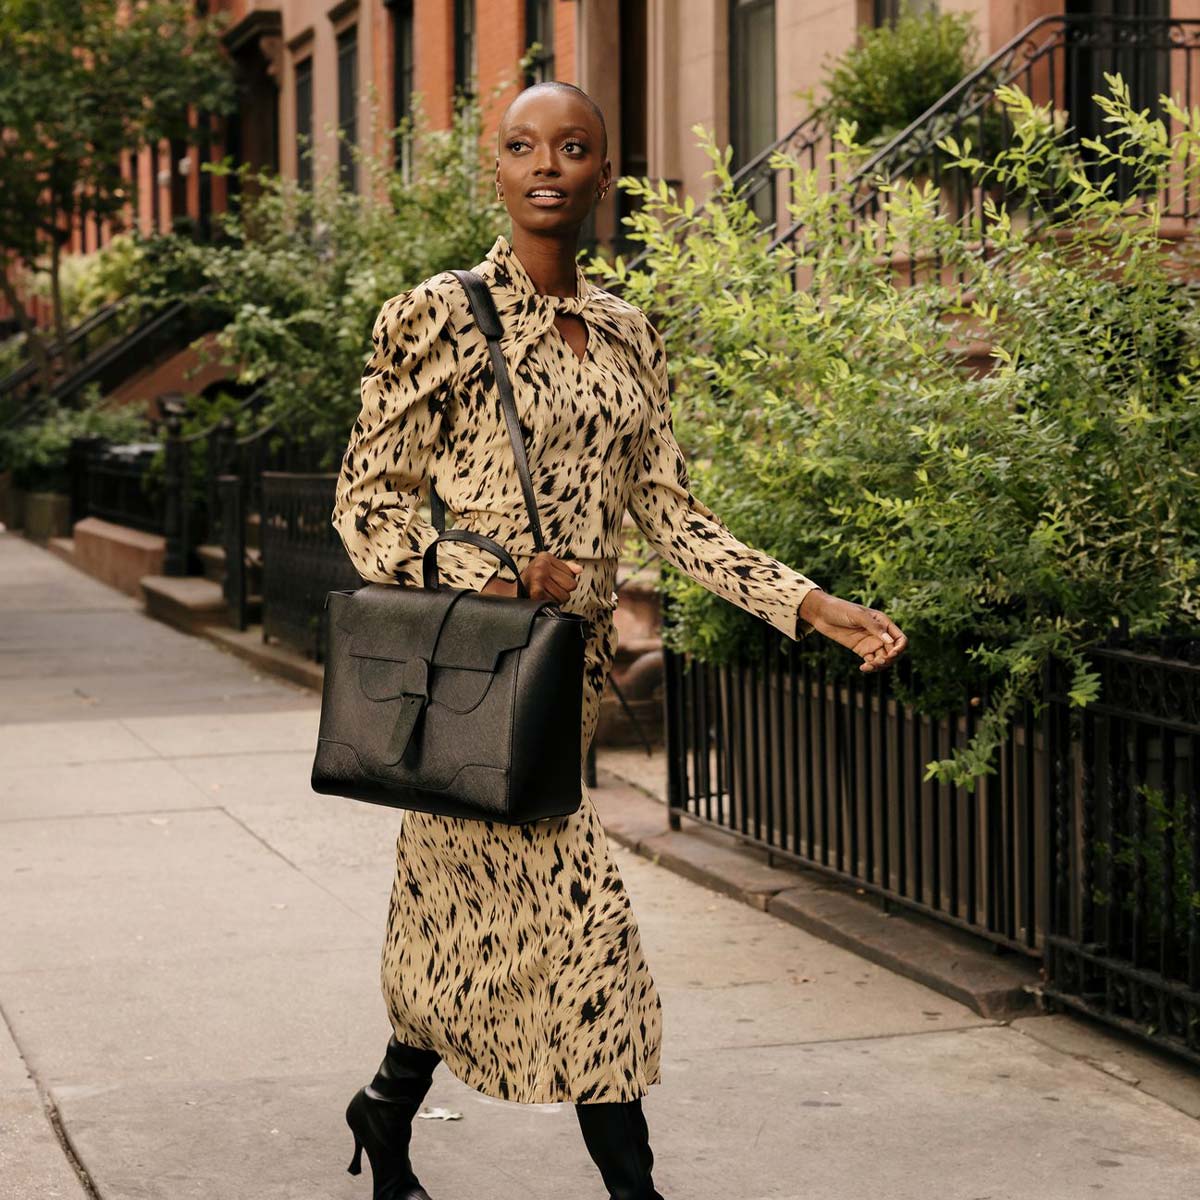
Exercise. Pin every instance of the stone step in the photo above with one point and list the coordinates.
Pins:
(187, 602)
(116, 554)
(212, 559)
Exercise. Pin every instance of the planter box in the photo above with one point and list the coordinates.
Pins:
(47, 515)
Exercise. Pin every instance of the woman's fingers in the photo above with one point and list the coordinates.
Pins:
(891, 641)
(552, 578)
(889, 633)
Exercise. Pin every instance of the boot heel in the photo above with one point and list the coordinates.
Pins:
(355, 1167)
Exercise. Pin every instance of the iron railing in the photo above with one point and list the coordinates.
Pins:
(1083, 848)
(109, 360)
(303, 558)
(1124, 945)
(115, 483)
(1057, 60)
(828, 771)
(19, 387)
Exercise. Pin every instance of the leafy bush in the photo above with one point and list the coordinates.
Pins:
(300, 275)
(1000, 518)
(897, 72)
(37, 453)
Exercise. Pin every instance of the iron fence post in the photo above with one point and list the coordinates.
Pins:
(175, 514)
(79, 455)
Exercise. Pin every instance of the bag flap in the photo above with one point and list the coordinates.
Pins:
(470, 629)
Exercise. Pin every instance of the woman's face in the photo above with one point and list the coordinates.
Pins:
(551, 162)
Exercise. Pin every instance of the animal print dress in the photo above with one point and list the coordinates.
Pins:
(513, 950)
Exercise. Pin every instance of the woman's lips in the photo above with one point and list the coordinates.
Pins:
(546, 201)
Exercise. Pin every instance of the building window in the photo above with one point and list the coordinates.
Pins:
(752, 89)
(403, 80)
(304, 123)
(466, 65)
(347, 65)
(539, 27)
(633, 74)
(887, 12)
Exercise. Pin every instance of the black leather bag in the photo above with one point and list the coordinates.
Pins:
(448, 700)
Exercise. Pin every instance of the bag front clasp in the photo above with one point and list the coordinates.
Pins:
(415, 687)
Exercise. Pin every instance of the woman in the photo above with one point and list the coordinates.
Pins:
(512, 953)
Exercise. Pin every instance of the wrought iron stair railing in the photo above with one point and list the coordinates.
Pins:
(1059, 59)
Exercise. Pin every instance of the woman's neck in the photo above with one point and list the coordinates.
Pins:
(549, 261)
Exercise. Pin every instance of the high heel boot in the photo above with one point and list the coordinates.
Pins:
(618, 1141)
(380, 1116)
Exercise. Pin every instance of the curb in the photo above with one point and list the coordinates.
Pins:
(995, 985)
(248, 645)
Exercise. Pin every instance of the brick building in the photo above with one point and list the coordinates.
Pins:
(656, 67)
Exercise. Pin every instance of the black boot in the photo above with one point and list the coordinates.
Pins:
(380, 1116)
(619, 1142)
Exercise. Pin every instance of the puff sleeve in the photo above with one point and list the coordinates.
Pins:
(406, 384)
(690, 536)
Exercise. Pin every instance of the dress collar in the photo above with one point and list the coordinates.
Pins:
(511, 273)
(525, 313)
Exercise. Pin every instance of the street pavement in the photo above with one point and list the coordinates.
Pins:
(189, 981)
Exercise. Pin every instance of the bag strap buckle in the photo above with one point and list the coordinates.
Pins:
(415, 686)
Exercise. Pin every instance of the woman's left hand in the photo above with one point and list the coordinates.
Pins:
(874, 637)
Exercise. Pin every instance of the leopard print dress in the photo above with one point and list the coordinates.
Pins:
(513, 950)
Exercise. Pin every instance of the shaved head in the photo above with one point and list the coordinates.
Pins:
(570, 89)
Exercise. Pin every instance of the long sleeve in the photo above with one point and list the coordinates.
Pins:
(405, 388)
(691, 537)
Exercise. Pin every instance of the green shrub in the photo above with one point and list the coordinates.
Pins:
(37, 453)
(300, 276)
(1000, 518)
(897, 72)
(143, 271)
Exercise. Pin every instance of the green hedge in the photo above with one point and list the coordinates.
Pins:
(1000, 518)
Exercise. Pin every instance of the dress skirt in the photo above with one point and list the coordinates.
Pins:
(513, 951)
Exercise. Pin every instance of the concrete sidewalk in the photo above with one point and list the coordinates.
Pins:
(189, 973)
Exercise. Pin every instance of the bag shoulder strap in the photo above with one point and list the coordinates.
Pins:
(483, 309)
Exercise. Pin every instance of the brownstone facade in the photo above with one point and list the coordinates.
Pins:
(656, 67)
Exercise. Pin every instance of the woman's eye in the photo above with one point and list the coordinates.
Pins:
(517, 142)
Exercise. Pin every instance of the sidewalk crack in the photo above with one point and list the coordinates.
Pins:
(54, 1117)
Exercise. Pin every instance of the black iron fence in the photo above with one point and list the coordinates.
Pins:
(828, 771)
(1124, 944)
(115, 482)
(1083, 847)
(303, 558)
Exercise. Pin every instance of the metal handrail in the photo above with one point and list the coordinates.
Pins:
(965, 100)
(91, 367)
(55, 349)
(250, 401)
(807, 133)
(967, 97)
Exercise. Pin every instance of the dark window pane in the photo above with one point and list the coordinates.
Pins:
(347, 59)
(405, 79)
(304, 122)
(465, 64)
(752, 88)
(539, 27)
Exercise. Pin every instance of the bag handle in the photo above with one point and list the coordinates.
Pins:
(429, 558)
(483, 309)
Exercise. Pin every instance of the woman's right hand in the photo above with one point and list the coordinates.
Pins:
(547, 577)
